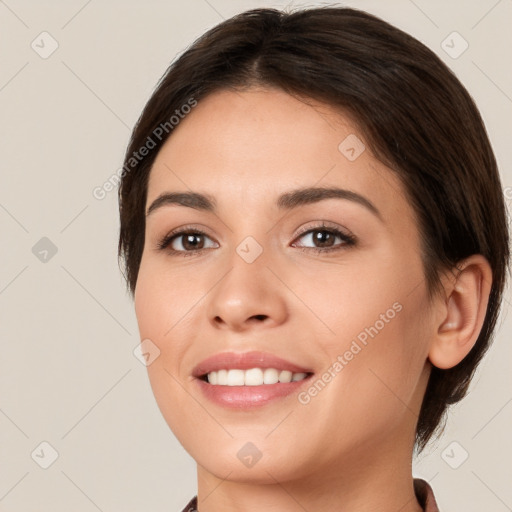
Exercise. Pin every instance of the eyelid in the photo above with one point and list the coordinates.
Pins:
(347, 237)
(163, 242)
(324, 224)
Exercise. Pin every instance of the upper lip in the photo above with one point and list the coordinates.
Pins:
(245, 361)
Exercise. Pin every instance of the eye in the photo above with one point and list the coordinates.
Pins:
(324, 237)
(186, 241)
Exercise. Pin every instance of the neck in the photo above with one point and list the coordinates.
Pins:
(365, 481)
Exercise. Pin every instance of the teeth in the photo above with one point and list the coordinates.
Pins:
(270, 376)
(235, 378)
(253, 377)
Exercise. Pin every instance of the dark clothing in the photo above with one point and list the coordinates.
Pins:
(422, 489)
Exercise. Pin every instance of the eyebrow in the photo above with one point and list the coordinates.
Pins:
(286, 201)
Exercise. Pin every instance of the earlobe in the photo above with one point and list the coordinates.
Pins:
(463, 313)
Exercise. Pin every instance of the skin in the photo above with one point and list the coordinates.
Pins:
(351, 446)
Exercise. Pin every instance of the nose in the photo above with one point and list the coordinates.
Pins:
(248, 296)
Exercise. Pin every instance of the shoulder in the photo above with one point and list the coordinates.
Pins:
(191, 505)
(422, 489)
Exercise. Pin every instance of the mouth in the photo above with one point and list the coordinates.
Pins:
(249, 379)
(252, 377)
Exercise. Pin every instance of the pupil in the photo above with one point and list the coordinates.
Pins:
(322, 236)
(189, 241)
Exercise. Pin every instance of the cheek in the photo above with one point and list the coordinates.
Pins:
(377, 336)
(164, 309)
(393, 358)
(164, 300)
(348, 297)
(161, 304)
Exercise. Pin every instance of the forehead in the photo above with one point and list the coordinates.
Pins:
(258, 143)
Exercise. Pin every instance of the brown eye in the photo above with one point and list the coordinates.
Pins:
(323, 239)
(190, 241)
(185, 242)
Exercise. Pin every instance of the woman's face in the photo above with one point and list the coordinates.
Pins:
(271, 274)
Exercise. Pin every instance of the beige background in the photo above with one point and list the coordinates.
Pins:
(68, 375)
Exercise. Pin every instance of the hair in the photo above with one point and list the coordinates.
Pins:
(415, 115)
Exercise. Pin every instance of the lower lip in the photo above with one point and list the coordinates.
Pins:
(240, 397)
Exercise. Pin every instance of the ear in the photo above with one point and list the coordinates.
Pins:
(463, 312)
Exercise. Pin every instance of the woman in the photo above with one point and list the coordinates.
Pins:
(315, 237)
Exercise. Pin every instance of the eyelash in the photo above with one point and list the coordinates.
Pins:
(348, 240)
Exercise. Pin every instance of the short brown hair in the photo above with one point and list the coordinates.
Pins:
(416, 116)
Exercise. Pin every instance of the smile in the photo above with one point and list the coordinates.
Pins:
(252, 377)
